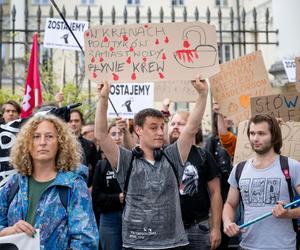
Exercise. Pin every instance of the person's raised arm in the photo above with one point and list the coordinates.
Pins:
(108, 146)
(187, 137)
(128, 140)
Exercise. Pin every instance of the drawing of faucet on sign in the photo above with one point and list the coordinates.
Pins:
(127, 104)
(196, 54)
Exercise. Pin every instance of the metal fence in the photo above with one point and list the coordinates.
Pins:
(238, 34)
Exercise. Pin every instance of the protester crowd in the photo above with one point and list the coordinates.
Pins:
(107, 186)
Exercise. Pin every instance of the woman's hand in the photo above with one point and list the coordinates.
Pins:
(20, 227)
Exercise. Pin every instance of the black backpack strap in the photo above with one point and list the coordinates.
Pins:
(238, 171)
(128, 176)
(284, 164)
(173, 167)
(12, 192)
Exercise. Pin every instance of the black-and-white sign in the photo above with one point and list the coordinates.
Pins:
(8, 133)
(57, 34)
(290, 69)
(130, 98)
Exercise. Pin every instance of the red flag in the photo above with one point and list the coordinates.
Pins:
(33, 92)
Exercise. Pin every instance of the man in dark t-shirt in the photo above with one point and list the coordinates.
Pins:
(199, 192)
(90, 154)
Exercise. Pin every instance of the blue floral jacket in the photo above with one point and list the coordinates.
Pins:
(59, 229)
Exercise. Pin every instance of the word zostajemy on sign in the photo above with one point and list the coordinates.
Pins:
(60, 25)
(132, 89)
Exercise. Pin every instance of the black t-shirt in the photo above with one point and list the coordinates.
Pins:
(106, 189)
(90, 157)
(196, 207)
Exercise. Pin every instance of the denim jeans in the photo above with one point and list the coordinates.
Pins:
(110, 230)
(198, 236)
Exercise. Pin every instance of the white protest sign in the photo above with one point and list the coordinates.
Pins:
(128, 99)
(57, 34)
(20, 241)
(290, 69)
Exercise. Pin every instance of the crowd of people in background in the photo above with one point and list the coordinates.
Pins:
(153, 184)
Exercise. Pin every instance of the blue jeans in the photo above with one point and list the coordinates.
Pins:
(110, 230)
(198, 236)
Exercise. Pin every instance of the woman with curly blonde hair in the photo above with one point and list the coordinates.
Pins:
(44, 155)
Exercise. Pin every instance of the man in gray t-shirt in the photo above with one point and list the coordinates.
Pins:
(152, 216)
(263, 188)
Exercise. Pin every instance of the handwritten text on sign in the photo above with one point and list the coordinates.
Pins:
(285, 106)
(143, 52)
(290, 146)
(237, 81)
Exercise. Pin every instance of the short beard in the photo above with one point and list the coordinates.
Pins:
(262, 151)
(172, 139)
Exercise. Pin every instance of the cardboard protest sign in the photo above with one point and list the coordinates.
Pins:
(155, 52)
(237, 81)
(179, 91)
(290, 69)
(57, 34)
(129, 99)
(290, 135)
(285, 106)
(20, 241)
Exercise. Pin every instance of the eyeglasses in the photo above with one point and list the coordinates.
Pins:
(47, 137)
(113, 134)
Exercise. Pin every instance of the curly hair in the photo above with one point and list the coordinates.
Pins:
(69, 152)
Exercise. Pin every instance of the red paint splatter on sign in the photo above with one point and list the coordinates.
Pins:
(87, 33)
(186, 44)
(94, 75)
(144, 59)
(161, 75)
(111, 48)
(131, 49)
(166, 39)
(101, 59)
(125, 38)
(128, 60)
(164, 56)
(115, 77)
(186, 54)
(156, 41)
(93, 59)
(146, 26)
(105, 39)
(133, 76)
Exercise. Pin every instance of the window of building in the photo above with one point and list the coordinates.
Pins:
(87, 2)
(177, 2)
(221, 3)
(40, 1)
(133, 2)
